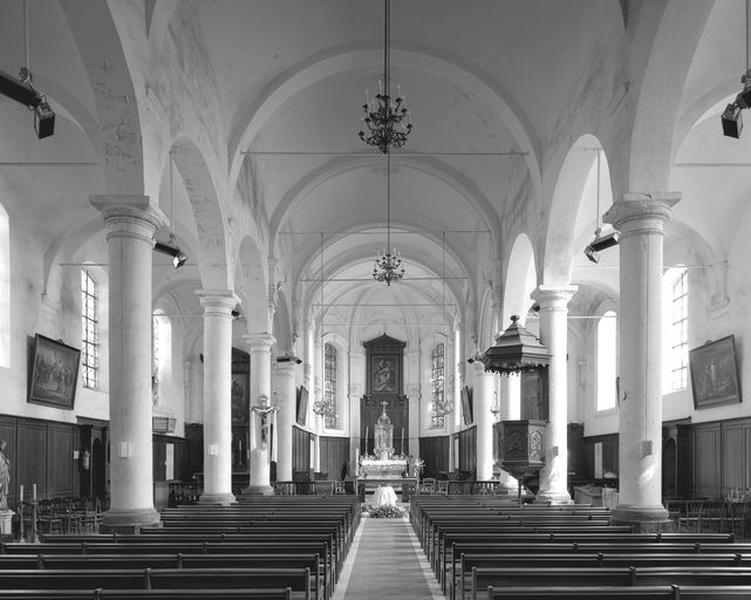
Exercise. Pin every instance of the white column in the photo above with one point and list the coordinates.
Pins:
(131, 223)
(217, 395)
(260, 385)
(553, 334)
(483, 398)
(285, 377)
(640, 218)
(510, 400)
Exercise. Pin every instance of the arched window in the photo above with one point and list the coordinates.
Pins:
(89, 331)
(161, 355)
(437, 380)
(607, 329)
(332, 418)
(679, 331)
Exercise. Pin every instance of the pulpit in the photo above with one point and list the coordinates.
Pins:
(520, 448)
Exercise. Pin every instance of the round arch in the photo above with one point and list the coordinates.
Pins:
(521, 280)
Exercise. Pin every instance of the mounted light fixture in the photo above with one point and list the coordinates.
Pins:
(386, 117)
(600, 241)
(732, 119)
(22, 91)
(388, 266)
(170, 249)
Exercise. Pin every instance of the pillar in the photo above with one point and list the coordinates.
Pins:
(640, 218)
(260, 385)
(553, 334)
(285, 379)
(483, 398)
(217, 395)
(131, 223)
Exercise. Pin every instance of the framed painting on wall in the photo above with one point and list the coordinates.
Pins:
(714, 374)
(54, 373)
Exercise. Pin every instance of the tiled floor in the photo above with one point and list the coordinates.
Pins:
(386, 561)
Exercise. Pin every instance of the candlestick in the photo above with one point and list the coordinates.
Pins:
(20, 493)
(402, 444)
(366, 441)
(33, 491)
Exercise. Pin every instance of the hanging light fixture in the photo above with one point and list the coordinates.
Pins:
(170, 248)
(323, 405)
(388, 265)
(600, 241)
(386, 121)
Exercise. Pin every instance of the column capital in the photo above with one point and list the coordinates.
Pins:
(554, 297)
(260, 341)
(132, 216)
(217, 302)
(641, 211)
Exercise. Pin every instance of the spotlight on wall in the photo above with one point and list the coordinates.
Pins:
(171, 249)
(21, 90)
(601, 242)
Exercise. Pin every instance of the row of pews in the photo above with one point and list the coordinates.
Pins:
(269, 547)
(484, 547)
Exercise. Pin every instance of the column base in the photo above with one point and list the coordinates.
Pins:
(129, 521)
(552, 497)
(224, 499)
(6, 523)
(643, 519)
(256, 490)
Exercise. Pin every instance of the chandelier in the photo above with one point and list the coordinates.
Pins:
(388, 266)
(323, 406)
(386, 122)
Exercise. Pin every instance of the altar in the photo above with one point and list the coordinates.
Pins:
(390, 468)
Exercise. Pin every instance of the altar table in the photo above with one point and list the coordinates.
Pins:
(384, 495)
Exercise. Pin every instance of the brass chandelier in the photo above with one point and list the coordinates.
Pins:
(386, 121)
(388, 265)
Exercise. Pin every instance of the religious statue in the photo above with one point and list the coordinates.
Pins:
(384, 436)
(266, 412)
(4, 476)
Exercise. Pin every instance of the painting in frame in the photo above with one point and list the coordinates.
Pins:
(54, 373)
(714, 374)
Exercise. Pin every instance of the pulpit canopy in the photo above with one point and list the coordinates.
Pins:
(515, 351)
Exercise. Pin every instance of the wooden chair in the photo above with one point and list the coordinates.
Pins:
(427, 486)
(690, 520)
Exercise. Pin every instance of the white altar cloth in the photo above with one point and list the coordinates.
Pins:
(384, 495)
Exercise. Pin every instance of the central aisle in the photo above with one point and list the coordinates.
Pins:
(386, 561)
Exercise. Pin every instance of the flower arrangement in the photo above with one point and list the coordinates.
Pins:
(383, 512)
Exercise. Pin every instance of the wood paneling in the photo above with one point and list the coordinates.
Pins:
(301, 449)
(734, 465)
(467, 460)
(609, 454)
(60, 462)
(435, 452)
(334, 456)
(707, 459)
(31, 455)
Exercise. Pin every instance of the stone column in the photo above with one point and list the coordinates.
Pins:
(260, 385)
(131, 222)
(483, 398)
(217, 395)
(285, 378)
(553, 334)
(640, 218)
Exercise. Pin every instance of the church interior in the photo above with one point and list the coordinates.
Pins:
(481, 262)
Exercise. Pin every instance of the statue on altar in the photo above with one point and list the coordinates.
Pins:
(384, 436)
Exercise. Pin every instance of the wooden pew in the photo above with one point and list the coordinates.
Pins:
(178, 594)
(672, 592)
(194, 548)
(604, 577)
(587, 560)
(127, 579)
